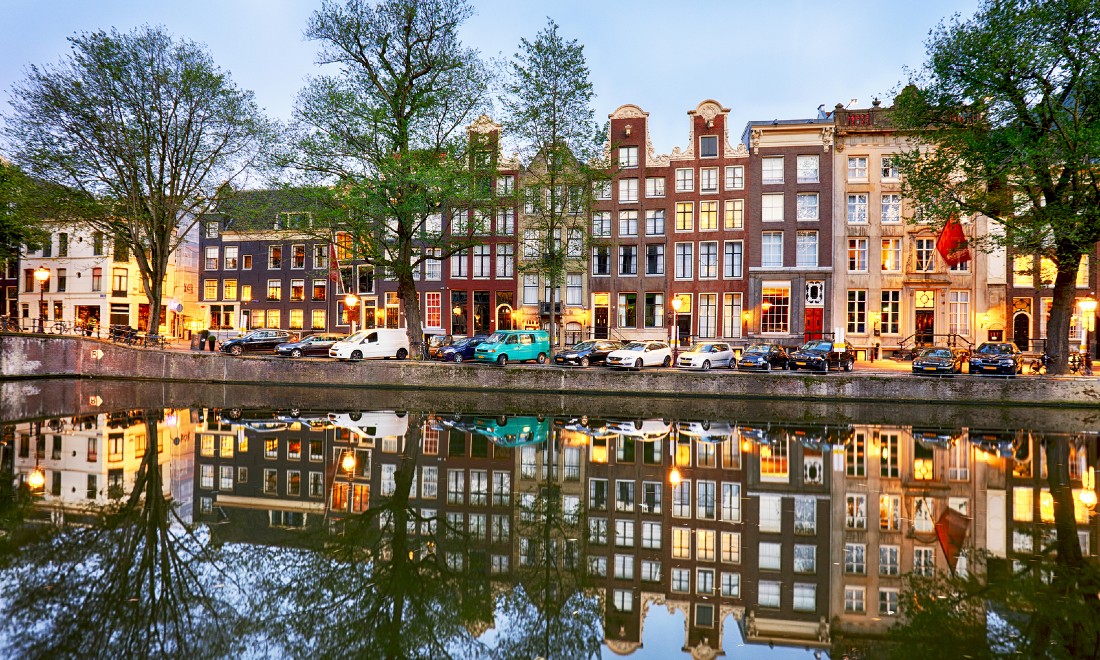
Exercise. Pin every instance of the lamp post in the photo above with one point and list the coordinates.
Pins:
(351, 301)
(764, 307)
(674, 328)
(42, 275)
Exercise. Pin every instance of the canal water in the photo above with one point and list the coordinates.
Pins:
(265, 523)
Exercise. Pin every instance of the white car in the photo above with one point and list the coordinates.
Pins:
(706, 355)
(638, 354)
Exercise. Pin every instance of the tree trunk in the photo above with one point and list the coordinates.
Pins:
(553, 339)
(406, 291)
(1065, 289)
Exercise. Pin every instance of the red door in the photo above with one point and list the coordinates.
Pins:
(815, 319)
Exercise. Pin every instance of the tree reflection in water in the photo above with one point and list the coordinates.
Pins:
(391, 583)
(1046, 607)
(135, 582)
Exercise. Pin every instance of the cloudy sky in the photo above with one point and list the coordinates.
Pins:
(763, 60)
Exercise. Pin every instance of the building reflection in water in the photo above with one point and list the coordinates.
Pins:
(799, 535)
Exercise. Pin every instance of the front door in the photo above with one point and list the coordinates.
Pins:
(925, 327)
(600, 322)
(1021, 331)
(815, 322)
(683, 329)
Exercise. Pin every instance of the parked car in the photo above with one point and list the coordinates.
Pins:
(707, 354)
(373, 343)
(461, 350)
(996, 357)
(938, 360)
(821, 354)
(764, 356)
(256, 341)
(638, 354)
(313, 345)
(593, 351)
(517, 345)
(437, 343)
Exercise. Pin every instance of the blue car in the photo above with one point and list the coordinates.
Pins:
(461, 350)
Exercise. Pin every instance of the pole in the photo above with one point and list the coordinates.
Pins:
(41, 305)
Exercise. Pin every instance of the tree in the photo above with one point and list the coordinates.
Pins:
(19, 225)
(548, 101)
(385, 132)
(138, 133)
(1005, 121)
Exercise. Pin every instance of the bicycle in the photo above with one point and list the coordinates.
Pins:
(10, 324)
(1075, 362)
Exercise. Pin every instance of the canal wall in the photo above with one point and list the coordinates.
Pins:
(37, 356)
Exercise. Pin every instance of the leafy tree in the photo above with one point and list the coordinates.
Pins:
(139, 132)
(384, 133)
(19, 224)
(548, 101)
(1006, 122)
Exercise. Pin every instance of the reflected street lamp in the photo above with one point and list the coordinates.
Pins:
(36, 480)
(42, 274)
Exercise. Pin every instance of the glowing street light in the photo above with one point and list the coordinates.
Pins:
(350, 301)
(42, 275)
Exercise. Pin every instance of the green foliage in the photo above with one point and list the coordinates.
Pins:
(20, 225)
(1005, 122)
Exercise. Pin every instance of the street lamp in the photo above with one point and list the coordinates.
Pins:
(674, 327)
(36, 480)
(42, 274)
(350, 301)
(764, 307)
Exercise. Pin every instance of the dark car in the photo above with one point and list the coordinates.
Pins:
(593, 351)
(256, 341)
(821, 354)
(312, 345)
(939, 360)
(461, 350)
(763, 356)
(996, 357)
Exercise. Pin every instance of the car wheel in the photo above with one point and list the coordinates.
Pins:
(792, 366)
(458, 357)
(296, 353)
(356, 355)
(849, 365)
(584, 362)
(638, 363)
(667, 361)
(541, 359)
(706, 365)
(767, 366)
(236, 350)
(355, 416)
(502, 360)
(402, 354)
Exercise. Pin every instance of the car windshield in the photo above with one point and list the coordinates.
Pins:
(634, 346)
(936, 353)
(357, 337)
(462, 342)
(821, 345)
(704, 348)
(994, 349)
(758, 348)
(583, 346)
(495, 338)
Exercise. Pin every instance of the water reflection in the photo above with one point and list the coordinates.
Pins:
(413, 533)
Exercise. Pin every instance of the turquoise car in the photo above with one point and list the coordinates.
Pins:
(514, 345)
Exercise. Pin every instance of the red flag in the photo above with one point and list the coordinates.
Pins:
(333, 265)
(951, 529)
(951, 243)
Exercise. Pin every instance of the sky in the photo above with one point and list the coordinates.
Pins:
(762, 60)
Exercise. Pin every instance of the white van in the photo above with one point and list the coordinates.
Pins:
(372, 343)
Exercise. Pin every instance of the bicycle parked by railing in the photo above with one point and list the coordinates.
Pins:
(1077, 364)
(10, 324)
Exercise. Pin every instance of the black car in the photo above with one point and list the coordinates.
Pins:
(461, 350)
(256, 341)
(593, 351)
(821, 354)
(763, 356)
(996, 357)
(313, 345)
(939, 360)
